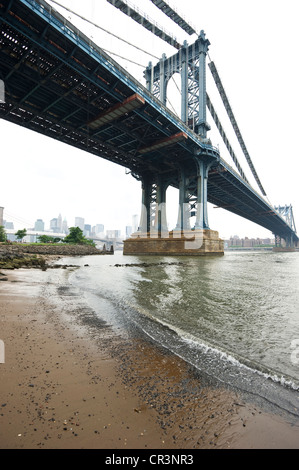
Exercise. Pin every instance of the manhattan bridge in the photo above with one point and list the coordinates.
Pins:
(60, 83)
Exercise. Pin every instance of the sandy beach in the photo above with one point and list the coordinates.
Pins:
(64, 387)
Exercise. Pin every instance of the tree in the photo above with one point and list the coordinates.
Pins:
(48, 239)
(21, 234)
(3, 237)
(76, 237)
(45, 239)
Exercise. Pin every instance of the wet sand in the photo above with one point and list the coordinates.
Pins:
(70, 385)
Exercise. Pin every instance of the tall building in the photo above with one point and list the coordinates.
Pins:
(99, 228)
(8, 225)
(65, 228)
(59, 223)
(87, 230)
(54, 226)
(39, 225)
(135, 223)
(128, 231)
(79, 222)
(1, 215)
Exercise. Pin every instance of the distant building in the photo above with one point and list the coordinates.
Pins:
(248, 242)
(59, 223)
(79, 222)
(87, 230)
(58, 226)
(97, 231)
(99, 228)
(8, 225)
(53, 224)
(65, 228)
(113, 233)
(135, 223)
(129, 231)
(54, 227)
(39, 225)
(1, 215)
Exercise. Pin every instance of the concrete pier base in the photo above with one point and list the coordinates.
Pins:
(283, 249)
(175, 243)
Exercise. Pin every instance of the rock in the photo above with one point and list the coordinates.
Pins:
(18, 251)
(17, 256)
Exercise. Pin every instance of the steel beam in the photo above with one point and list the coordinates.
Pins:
(174, 16)
(140, 17)
(117, 111)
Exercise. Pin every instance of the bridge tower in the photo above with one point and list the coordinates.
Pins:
(190, 63)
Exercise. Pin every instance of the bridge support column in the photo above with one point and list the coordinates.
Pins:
(163, 81)
(153, 237)
(160, 226)
(288, 244)
(202, 197)
(184, 84)
(145, 218)
(183, 222)
(202, 112)
(153, 221)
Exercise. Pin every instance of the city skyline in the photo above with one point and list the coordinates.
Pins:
(59, 225)
(116, 233)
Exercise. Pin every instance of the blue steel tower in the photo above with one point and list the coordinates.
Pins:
(190, 63)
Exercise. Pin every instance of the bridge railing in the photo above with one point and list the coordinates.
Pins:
(267, 204)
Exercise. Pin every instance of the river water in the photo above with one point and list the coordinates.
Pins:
(235, 318)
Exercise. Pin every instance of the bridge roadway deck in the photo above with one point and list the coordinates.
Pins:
(58, 82)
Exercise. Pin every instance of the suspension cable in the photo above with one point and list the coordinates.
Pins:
(224, 137)
(117, 37)
(125, 58)
(103, 29)
(234, 123)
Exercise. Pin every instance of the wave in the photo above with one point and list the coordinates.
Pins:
(250, 365)
(232, 370)
(266, 386)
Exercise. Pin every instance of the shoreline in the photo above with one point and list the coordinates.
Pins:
(65, 387)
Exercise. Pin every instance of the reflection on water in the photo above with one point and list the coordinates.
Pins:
(244, 304)
(242, 308)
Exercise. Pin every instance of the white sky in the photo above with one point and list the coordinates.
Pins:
(254, 44)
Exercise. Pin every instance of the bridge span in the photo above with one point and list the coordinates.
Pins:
(62, 85)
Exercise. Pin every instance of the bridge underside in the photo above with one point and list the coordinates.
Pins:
(60, 84)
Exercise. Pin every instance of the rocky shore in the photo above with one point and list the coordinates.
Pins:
(17, 256)
(57, 250)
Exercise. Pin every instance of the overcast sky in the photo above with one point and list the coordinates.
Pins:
(254, 44)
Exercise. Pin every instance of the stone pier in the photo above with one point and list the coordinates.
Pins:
(175, 243)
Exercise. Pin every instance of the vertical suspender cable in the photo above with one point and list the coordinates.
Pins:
(224, 137)
(234, 123)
